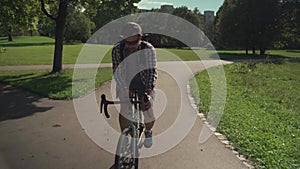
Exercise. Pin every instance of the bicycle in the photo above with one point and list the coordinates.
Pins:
(131, 138)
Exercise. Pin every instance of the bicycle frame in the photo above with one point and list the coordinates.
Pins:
(135, 128)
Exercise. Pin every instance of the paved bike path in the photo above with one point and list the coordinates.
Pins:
(40, 133)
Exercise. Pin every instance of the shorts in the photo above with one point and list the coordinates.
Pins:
(137, 84)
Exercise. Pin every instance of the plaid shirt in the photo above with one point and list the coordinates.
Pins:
(146, 64)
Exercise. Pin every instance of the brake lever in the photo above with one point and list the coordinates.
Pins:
(105, 103)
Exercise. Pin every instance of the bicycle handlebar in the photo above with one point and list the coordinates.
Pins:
(105, 103)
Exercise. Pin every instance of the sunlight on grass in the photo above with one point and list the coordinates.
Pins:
(262, 113)
(55, 86)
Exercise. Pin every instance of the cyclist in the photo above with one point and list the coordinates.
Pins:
(134, 68)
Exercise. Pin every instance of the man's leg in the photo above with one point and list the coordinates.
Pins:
(123, 122)
(149, 120)
(149, 125)
(123, 116)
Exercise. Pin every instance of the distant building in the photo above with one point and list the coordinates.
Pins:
(167, 8)
(209, 18)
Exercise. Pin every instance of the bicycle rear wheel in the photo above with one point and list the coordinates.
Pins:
(127, 150)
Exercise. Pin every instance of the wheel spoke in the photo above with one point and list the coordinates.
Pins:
(126, 152)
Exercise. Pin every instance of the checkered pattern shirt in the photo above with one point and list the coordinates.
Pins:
(146, 63)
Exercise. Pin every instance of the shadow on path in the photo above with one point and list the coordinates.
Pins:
(16, 103)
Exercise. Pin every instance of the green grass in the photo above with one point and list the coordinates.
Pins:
(38, 50)
(274, 54)
(59, 85)
(19, 41)
(262, 112)
(285, 53)
(183, 54)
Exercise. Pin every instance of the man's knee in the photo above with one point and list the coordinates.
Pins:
(149, 116)
(123, 121)
(124, 110)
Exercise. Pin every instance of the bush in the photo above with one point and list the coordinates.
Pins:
(2, 50)
(79, 28)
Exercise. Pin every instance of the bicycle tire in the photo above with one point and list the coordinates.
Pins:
(127, 150)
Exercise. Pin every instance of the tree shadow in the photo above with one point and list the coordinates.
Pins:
(17, 44)
(16, 103)
(3, 38)
(47, 84)
(293, 51)
(243, 56)
(26, 44)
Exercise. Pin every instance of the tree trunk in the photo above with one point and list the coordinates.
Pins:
(247, 52)
(262, 51)
(9, 34)
(253, 51)
(59, 36)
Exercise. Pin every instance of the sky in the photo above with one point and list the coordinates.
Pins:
(202, 5)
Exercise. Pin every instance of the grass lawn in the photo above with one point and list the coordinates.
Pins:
(275, 54)
(56, 86)
(38, 50)
(262, 112)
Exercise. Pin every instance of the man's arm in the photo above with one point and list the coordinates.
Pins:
(152, 69)
(117, 67)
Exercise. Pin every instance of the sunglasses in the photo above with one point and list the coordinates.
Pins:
(132, 42)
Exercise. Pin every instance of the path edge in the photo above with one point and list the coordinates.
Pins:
(221, 137)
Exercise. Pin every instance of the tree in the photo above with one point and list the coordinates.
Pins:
(188, 15)
(225, 25)
(264, 27)
(108, 10)
(19, 14)
(248, 24)
(60, 21)
(46, 26)
(192, 17)
(78, 26)
(59, 15)
(201, 18)
(183, 12)
(289, 24)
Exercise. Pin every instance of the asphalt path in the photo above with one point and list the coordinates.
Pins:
(39, 133)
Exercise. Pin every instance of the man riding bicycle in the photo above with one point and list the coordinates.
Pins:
(134, 68)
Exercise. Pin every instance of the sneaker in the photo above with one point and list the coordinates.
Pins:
(148, 139)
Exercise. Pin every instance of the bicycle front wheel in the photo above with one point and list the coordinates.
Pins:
(127, 150)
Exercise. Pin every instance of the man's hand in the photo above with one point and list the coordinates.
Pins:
(146, 102)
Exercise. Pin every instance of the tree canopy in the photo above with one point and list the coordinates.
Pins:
(106, 10)
(289, 24)
(18, 15)
(248, 24)
(239, 24)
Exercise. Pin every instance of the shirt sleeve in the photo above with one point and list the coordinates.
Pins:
(118, 69)
(152, 68)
